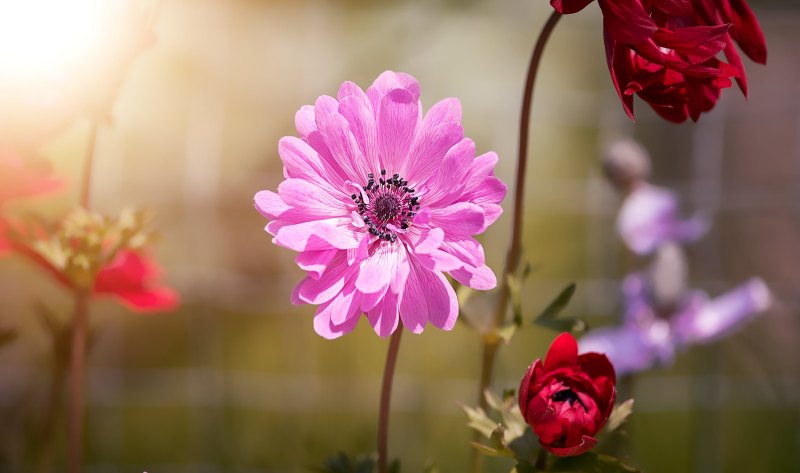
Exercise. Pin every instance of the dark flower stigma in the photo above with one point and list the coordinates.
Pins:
(387, 205)
(570, 396)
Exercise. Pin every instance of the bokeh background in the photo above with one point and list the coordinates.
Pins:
(237, 381)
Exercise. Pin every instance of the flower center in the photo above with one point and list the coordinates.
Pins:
(388, 205)
(568, 395)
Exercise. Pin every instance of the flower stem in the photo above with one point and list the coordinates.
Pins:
(386, 394)
(77, 381)
(491, 342)
(86, 183)
(541, 460)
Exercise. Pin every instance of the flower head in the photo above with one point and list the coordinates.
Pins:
(103, 256)
(380, 202)
(665, 51)
(567, 399)
(651, 333)
(649, 218)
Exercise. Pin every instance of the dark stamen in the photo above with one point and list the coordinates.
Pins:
(570, 396)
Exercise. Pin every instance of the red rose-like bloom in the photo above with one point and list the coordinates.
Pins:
(666, 51)
(567, 399)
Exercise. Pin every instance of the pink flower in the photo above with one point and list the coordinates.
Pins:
(21, 179)
(380, 202)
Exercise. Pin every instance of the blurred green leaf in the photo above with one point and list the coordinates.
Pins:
(592, 463)
(478, 420)
(342, 463)
(507, 332)
(394, 466)
(557, 305)
(523, 467)
(619, 415)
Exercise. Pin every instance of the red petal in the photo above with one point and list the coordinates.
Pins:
(569, 6)
(747, 32)
(627, 21)
(587, 443)
(563, 352)
(524, 386)
(130, 277)
(597, 365)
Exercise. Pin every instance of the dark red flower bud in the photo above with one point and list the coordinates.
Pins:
(567, 399)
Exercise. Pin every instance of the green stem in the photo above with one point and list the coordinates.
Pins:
(77, 382)
(386, 395)
(491, 343)
(541, 460)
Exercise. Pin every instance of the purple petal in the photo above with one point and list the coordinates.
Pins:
(720, 316)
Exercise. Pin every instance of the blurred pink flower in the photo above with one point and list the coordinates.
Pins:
(649, 338)
(21, 179)
(649, 218)
(380, 202)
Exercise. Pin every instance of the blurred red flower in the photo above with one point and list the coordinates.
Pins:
(666, 51)
(104, 256)
(567, 399)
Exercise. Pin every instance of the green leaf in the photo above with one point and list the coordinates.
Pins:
(507, 332)
(523, 467)
(557, 305)
(491, 452)
(619, 415)
(565, 325)
(394, 466)
(592, 463)
(514, 289)
(342, 463)
(478, 420)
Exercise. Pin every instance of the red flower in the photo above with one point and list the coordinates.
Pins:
(568, 399)
(131, 278)
(666, 51)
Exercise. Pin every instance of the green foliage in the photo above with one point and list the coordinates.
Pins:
(549, 316)
(619, 415)
(591, 463)
(342, 463)
(507, 432)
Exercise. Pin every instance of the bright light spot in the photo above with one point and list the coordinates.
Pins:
(40, 39)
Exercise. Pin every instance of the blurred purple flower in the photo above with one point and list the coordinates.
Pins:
(380, 202)
(649, 217)
(649, 337)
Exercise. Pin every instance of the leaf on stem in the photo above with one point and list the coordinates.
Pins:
(592, 462)
(549, 316)
(619, 414)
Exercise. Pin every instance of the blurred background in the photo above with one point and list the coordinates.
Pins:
(237, 381)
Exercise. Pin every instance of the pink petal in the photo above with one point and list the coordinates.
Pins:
(344, 149)
(327, 286)
(397, 125)
(481, 278)
(355, 107)
(332, 233)
(461, 219)
(304, 121)
(384, 317)
(270, 204)
(429, 148)
(310, 199)
(428, 297)
(325, 327)
(315, 262)
(446, 183)
(302, 161)
(377, 270)
(387, 82)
